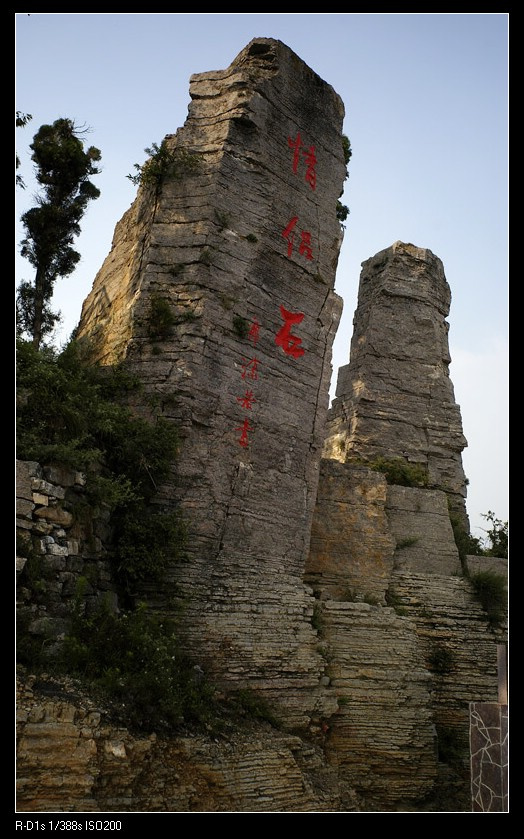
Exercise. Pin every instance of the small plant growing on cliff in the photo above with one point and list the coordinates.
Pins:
(222, 219)
(490, 591)
(497, 536)
(398, 471)
(251, 238)
(135, 660)
(248, 703)
(240, 326)
(394, 600)
(408, 542)
(441, 659)
(161, 318)
(342, 212)
(163, 163)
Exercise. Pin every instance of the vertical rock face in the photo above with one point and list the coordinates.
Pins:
(218, 292)
(395, 397)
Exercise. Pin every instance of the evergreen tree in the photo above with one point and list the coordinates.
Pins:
(63, 168)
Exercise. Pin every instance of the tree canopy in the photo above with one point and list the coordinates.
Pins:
(63, 169)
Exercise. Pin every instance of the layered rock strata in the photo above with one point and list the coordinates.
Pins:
(395, 398)
(218, 293)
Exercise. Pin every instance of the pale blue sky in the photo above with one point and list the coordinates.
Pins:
(426, 99)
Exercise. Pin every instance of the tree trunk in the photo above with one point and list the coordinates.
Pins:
(39, 302)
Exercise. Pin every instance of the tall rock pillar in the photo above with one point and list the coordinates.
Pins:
(218, 293)
(395, 398)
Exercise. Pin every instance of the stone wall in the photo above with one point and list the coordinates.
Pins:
(61, 552)
(489, 757)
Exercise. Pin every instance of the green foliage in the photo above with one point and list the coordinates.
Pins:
(222, 219)
(490, 591)
(161, 318)
(251, 238)
(74, 413)
(342, 211)
(248, 703)
(393, 600)
(346, 147)
(398, 471)
(408, 542)
(135, 660)
(145, 542)
(63, 169)
(466, 544)
(441, 659)
(21, 122)
(240, 326)
(164, 163)
(497, 536)
(317, 618)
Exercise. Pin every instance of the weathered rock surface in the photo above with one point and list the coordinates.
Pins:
(403, 676)
(218, 293)
(72, 759)
(395, 397)
(241, 247)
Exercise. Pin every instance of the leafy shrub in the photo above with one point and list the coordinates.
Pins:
(74, 413)
(251, 704)
(441, 659)
(395, 601)
(135, 660)
(342, 211)
(240, 326)
(398, 471)
(163, 163)
(490, 591)
(161, 318)
(497, 536)
(408, 542)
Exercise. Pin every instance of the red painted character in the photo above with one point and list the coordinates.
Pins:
(247, 400)
(311, 162)
(253, 333)
(305, 245)
(289, 235)
(244, 428)
(305, 239)
(290, 343)
(295, 145)
(250, 368)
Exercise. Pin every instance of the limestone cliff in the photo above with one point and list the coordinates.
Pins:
(241, 249)
(395, 397)
(335, 595)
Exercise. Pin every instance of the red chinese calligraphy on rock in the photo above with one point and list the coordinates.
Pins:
(250, 368)
(254, 332)
(244, 428)
(289, 235)
(290, 343)
(311, 162)
(309, 156)
(295, 145)
(305, 248)
(247, 400)
(305, 245)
